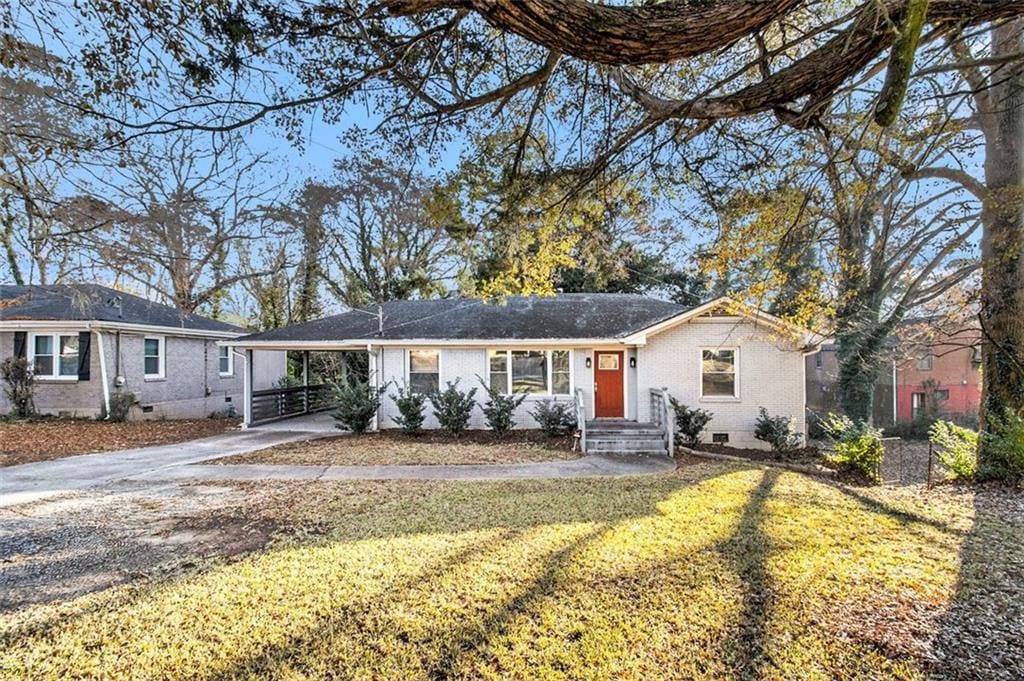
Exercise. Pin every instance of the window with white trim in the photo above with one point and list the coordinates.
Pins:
(153, 356)
(718, 373)
(535, 372)
(225, 365)
(424, 371)
(55, 355)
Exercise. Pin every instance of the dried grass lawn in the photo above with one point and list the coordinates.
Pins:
(715, 571)
(393, 448)
(45, 439)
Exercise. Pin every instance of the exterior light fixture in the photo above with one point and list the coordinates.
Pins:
(589, 363)
(632, 362)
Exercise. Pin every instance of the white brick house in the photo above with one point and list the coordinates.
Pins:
(604, 352)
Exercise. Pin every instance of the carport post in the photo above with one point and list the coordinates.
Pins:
(374, 383)
(247, 389)
(305, 379)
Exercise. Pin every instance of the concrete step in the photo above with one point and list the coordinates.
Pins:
(626, 437)
(611, 447)
(624, 432)
(619, 424)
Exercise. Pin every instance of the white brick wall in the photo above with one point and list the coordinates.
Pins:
(770, 375)
(464, 365)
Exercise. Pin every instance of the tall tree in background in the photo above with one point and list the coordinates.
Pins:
(36, 148)
(174, 213)
(996, 83)
(385, 235)
(304, 213)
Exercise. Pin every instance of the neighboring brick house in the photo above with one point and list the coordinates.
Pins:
(936, 377)
(604, 353)
(87, 342)
(943, 377)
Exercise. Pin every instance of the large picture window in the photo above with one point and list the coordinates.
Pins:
(55, 356)
(718, 373)
(424, 370)
(536, 372)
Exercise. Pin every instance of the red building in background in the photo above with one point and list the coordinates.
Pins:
(940, 379)
(929, 373)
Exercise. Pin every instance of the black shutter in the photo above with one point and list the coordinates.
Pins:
(84, 343)
(20, 341)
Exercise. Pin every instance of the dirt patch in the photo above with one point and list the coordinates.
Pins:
(62, 548)
(45, 439)
(394, 448)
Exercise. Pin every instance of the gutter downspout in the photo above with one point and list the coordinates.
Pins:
(103, 375)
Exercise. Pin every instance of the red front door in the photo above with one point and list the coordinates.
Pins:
(608, 373)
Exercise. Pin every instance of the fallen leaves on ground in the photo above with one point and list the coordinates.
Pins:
(45, 439)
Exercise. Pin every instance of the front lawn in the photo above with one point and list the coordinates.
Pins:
(25, 441)
(394, 448)
(715, 571)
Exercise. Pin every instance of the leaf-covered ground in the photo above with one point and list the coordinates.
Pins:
(716, 571)
(45, 439)
(393, 448)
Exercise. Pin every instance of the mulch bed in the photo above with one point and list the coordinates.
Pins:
(804, 455)
(483, 437)
(45, 439)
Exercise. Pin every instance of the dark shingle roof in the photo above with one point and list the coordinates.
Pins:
(565, 316)
(91, 302)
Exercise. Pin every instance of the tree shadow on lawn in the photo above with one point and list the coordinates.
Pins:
(747, 550)
(409, 509)
(445, 648)
(575, 513)
(982, 633)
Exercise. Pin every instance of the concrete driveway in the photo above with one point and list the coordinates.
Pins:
(44, 479)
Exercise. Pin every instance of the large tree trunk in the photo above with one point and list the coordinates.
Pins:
(1002, 296)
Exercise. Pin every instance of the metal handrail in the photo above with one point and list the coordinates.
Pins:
(581, 419)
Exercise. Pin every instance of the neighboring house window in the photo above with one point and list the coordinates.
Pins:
(224, 360)
(55, 356)
(924, 362)
(718, 373)
(941, 395)
(537, 372)
(153, 357)
(916, 404)
(424, 370)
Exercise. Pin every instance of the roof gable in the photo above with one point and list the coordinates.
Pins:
(725, 306)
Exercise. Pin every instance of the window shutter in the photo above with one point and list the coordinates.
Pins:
(20, 343)
(84, 343)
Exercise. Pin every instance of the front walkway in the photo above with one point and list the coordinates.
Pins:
(585, 467)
